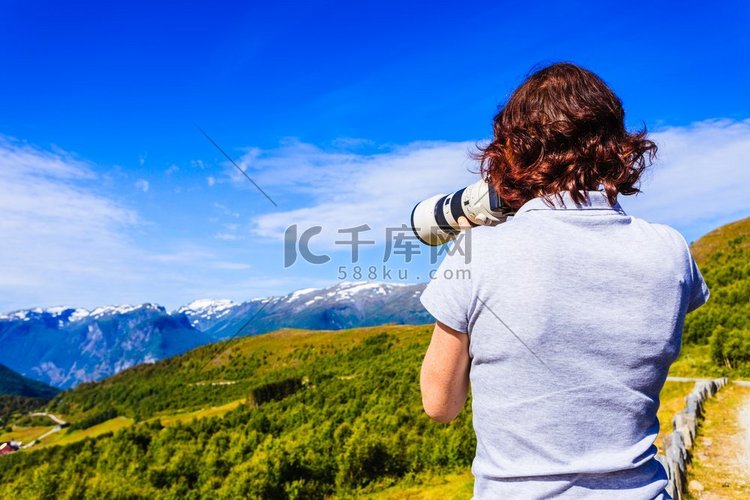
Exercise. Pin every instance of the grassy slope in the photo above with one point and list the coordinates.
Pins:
(235, 367)
(717, 239)
(67, 437)
(24, 434)
(720, 329)
(360, 381)
(198, 379)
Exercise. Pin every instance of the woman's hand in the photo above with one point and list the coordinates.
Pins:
(444, 379)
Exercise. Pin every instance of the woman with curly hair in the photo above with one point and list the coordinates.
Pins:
(565, 319)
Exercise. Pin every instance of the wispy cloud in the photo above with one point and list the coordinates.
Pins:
(344, 189)
(227, 236)
(142, 185)
(223, 209)
(65, 240)
(55, 228)
(699, 181)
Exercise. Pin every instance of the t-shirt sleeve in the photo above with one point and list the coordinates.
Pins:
(699, 292)
(448, 295)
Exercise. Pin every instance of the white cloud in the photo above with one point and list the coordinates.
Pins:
(699, 181)
(230, 266)
(64, 240)
(211, 180)
(348, 190)
(142, 185)
(225, 210)
(173, 169)
(227, 236)
(55, 229)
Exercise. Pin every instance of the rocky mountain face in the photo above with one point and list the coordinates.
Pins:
(65, 346)
(346, 305)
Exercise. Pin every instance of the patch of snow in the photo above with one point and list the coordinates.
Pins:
(314, 299)
(55, 311)
(107, 310)
(15, 315)
(207, 308)
(123, 309)
(213, 304)
(346, 290)
(299, 293)
(78, 315)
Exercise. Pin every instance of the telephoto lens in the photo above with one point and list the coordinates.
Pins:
(442, 217)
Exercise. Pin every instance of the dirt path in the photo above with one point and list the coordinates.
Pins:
(721, 457)
(744, 418)
(52, 417)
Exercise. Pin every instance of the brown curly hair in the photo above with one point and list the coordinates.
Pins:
(563, 130)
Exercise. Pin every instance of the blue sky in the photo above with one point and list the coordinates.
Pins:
(344, 112)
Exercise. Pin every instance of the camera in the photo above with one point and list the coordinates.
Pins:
(440, 218)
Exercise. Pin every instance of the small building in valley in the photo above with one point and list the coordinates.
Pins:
(9, 447)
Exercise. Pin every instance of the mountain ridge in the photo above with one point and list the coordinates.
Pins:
(102, 341)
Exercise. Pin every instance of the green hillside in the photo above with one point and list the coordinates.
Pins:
(21, 394)
(717, 335)
(324, 413)
(12, 383)
(718, 240)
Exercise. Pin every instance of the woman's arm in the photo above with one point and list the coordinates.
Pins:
(444, 379)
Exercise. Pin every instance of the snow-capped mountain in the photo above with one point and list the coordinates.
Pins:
(64, 315)
(64, 346)
(204, 313)
(345, 305)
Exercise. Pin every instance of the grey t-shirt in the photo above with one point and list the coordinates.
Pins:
(574, 315)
